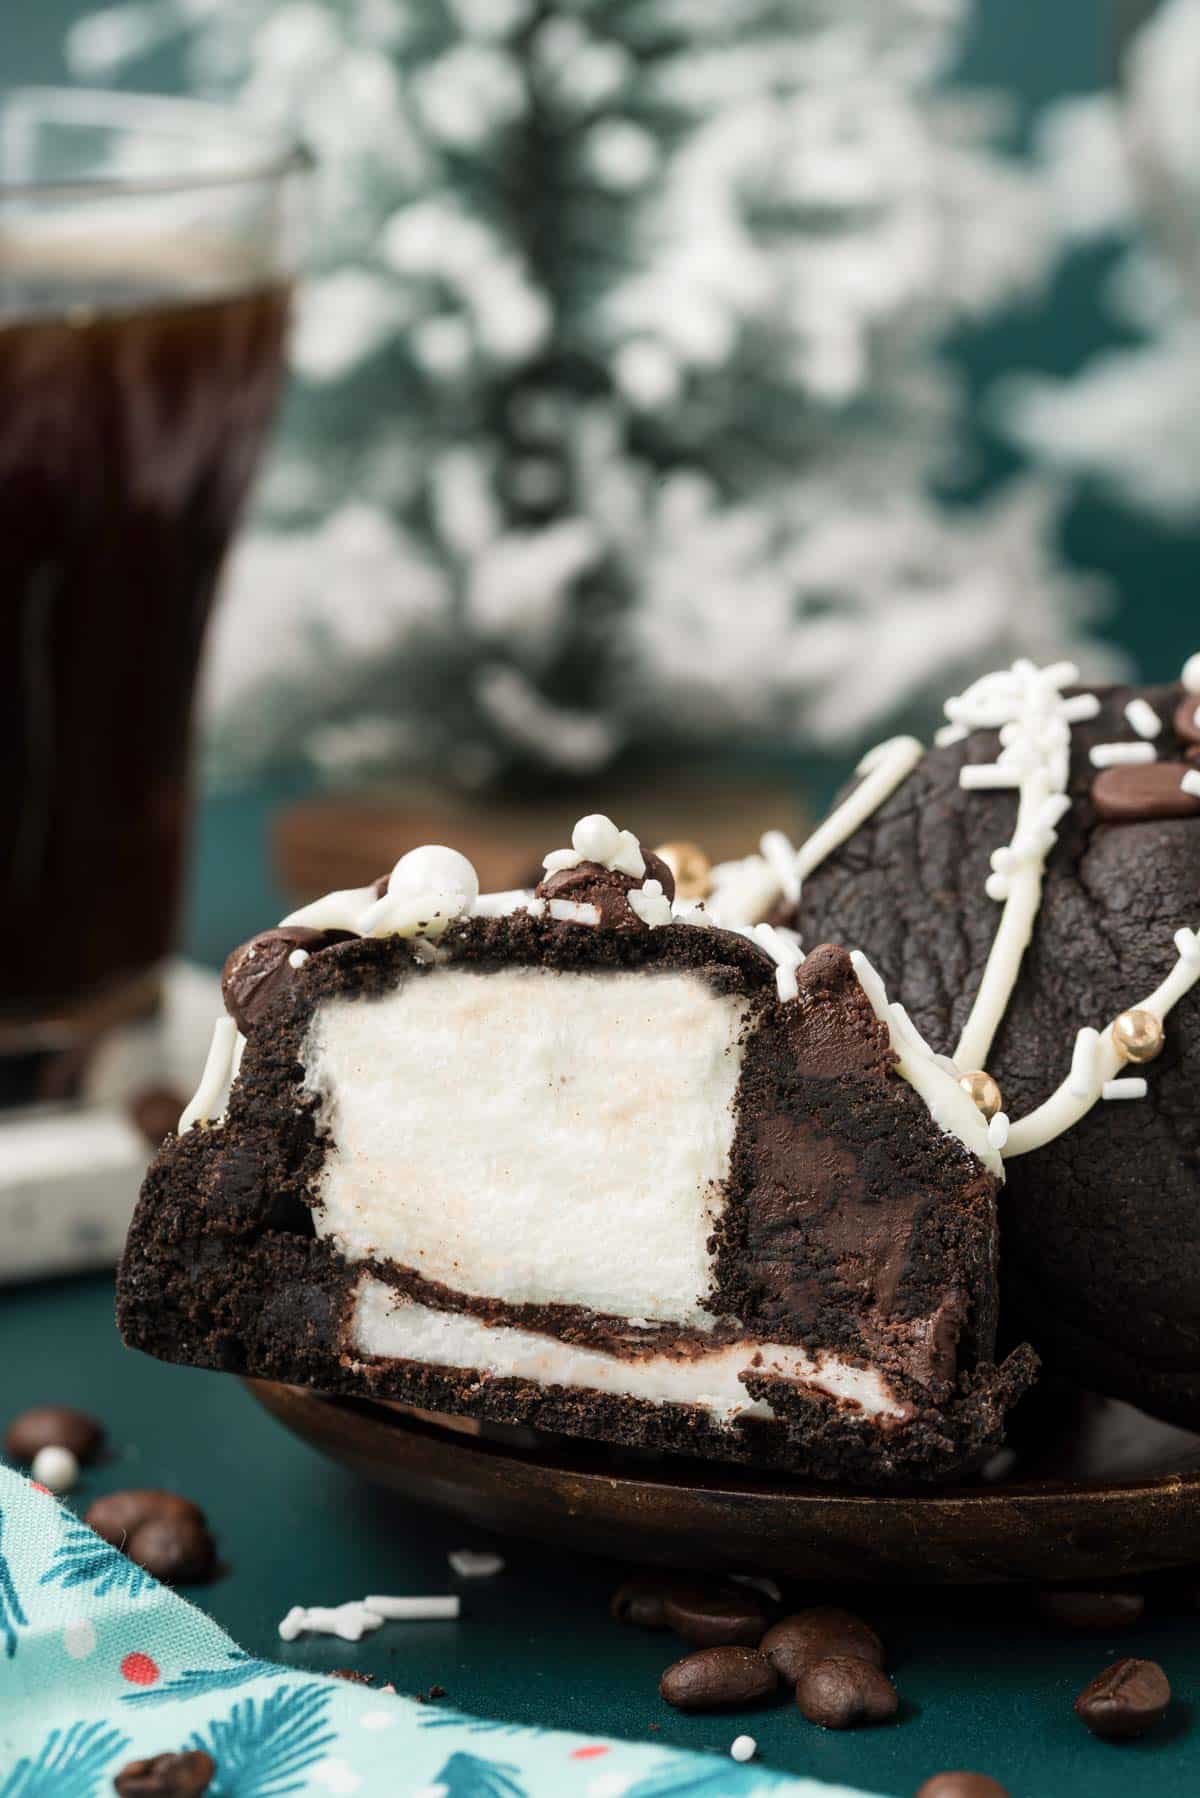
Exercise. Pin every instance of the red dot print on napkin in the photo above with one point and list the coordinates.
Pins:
(139, 1670)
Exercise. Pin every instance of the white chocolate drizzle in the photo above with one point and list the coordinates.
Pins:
(221, 1065)
(1025, 704)
(950, 1107)
(883, 769)
(649, 903)
(745, 891)
(1097, 1061)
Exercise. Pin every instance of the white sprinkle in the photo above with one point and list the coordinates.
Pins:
(55, 1467)
(297, 958)
(350, 1621)
(998, 1128)
(475, 1563)
(1135, 1088)
(1143, 718)
(949, 734)
(1081, 1082)
(649, 903)
(779, 853)
(413, 1610)
(596, 838)
(1191, 673)
(1079, 707)
(1116, 755)
(1191, 783)
(558, 859)
(1057, 674)
(743, 1748)
(501, 905)
(979, 775)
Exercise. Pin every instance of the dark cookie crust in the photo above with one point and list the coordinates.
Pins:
(1100, 1229)
(851, 1224)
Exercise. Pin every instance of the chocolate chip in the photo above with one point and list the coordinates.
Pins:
(716, 1615)
(1090, 1610)
(590, 883)
(962, 1785)
(437, 1691)
(165, 1534)
(257, 971)
(1125, 1700)
(53, 1426)
(819, 1634)
(167, 1776)
(845, 1692)
(155, 1112)
(355, 1678)
(713, 1678)
(639, 1603)
(1136, 792)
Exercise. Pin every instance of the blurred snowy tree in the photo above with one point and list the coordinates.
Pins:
(619, 393)
(1125, 167)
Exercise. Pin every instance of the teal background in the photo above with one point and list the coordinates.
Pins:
(984, 1685)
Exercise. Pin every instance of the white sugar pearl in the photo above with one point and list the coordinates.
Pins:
(743, 1748)
(434, 868)
(55, 1468)
(1191, 673)
(596, 838)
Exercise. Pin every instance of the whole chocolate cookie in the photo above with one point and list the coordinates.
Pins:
(1100, 1225)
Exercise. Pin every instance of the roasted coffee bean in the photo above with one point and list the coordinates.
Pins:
(155, 1112)
(716, 1615)
(962, 1785)
(176, 1550)
(819, 1635)
(167, 1776)
(639, 1603)
(845, 1692)
(1125, 1700)
(1085, 1610)
(164, 1533)
(53, 1426)
(714, 1678)
(118, 1514)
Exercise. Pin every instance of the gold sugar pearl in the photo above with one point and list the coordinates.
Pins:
(1138, 1035)
(691, 868)
(983, 1091)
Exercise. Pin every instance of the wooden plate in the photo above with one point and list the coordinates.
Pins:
(1115, 1494)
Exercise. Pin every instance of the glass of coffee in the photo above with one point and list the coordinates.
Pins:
(147, 254)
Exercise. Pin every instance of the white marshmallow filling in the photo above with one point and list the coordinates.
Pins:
(533, 1135)
(387, 1326)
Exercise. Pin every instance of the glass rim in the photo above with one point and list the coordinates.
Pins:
(267, 155)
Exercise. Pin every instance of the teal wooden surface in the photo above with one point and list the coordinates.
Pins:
(984, 1684)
